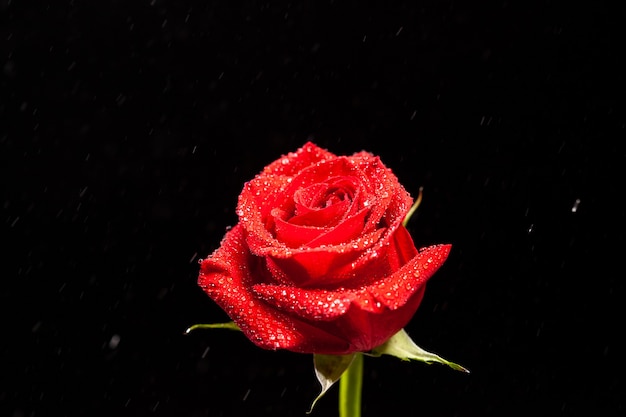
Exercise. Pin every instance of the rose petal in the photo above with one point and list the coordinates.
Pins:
(323, 217)
(395, 291)
(294, 162)
(315, 266)
(386, 257)
(391, 292)
(293, 235)
(381, 259)
(309, 304)
(255, 203)
(345, 231)
(225, 277)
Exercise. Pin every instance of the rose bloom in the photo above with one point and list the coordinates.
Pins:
(319, 261)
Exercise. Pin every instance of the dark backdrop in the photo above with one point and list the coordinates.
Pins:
(129, 128)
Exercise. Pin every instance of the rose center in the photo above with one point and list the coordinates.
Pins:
(331, 196)
(323, 213)
(322, 204)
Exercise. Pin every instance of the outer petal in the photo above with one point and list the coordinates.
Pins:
(364, 317)
(392, 292)
(294, 162)
(226, 277)
(396, 291)
(380, 260)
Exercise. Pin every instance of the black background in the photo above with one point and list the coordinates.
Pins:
(128, 129)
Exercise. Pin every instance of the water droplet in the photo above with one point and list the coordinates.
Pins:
(114, 342)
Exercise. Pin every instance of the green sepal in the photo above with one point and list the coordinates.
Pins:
(402, 346)
(229, 325)
(328, 369)
(414, 207)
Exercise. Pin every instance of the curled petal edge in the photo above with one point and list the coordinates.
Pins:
(392, 292)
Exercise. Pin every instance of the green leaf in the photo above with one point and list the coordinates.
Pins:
(230, 325)
(402, 346)
(328, 369)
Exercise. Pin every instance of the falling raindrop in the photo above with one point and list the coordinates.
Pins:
(114, 342)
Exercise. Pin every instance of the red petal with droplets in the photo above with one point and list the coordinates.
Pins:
(391, 292)
(370, 314)
(226, 277)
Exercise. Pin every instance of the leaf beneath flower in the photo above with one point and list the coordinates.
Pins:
(328, 369)
(402, 346)
(229, 325)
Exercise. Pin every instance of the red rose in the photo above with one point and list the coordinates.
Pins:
(320, 261)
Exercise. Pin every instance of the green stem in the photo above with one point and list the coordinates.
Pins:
(350, 386)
